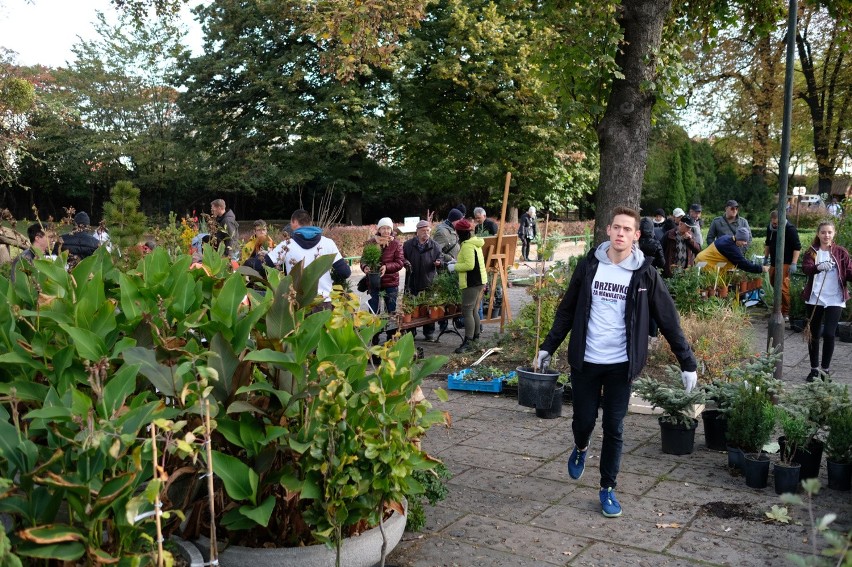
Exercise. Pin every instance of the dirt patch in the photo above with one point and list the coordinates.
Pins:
(728, 510)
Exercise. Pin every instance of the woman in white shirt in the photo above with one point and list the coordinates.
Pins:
(828, 267)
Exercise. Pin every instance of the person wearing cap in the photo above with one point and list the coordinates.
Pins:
(304, 245)
(527, 231)
(695, 215)
(422, 260)
(680, 247)
(728, 250)
(79, 242)
(792, 248)
(727, 223)
(484, 225)
(227, 231)
(257, 247)
(472, 277)
(444, 234)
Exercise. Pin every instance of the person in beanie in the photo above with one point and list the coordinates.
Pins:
(444, 235)
(422, 260)
(527, 231)
(613, 294)
(80, 243)
(728, 250)
(727, 223)
(792, 249)
(472, 277)
(649, 245)
(392, 263)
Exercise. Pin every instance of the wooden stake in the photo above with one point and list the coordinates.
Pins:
(214, 553)
(538, 284)
(157, 503)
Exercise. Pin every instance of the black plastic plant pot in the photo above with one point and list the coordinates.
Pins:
(839, 475)
(535, 389)
(555, 408)
(375, 281)
(786, 477)
(735, 458)
(756, 470)
(715, 428)
(677, 439)
(810, 458)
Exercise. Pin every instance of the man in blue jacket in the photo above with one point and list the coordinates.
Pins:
(613, 294)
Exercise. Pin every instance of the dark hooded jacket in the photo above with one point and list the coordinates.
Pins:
(80, 243)
(422, 263)
(649, 245)
(228, 231)
(647, 297)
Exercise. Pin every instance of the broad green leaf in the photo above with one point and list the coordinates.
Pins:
(88, 345)
(260, 514)
(240, 480)
(131, 300)
(224, 306)
(160, 375)
(118, 387)
(62, 551)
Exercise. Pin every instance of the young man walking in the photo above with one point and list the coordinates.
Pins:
(613, 294)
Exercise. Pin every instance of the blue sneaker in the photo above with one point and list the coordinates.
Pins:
(577, 463)
(609, 505)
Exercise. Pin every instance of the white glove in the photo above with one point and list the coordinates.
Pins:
(689, 380)
(451, 266)
(824, 266)
(543, 360)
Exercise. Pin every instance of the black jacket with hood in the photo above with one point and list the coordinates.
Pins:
(650, 246)
(647, 296)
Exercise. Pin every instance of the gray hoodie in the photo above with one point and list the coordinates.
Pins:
(632, 262)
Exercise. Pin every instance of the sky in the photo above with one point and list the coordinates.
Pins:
(43, 31)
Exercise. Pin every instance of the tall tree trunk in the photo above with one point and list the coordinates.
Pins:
(764, 95)
(623, 131)
(352, 207)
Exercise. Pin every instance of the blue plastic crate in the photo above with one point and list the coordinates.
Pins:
(456, 381)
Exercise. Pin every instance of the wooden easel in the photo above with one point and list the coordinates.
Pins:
(499, 255)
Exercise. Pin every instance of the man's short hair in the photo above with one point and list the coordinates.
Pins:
(633, 213)
(260, 223)
(773, 214)
(34, 231)
(478, 211)
(218, 203)
(302, 217)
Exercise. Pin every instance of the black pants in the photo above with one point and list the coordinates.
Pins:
(525, 248)
(828, 317)
(587, 385)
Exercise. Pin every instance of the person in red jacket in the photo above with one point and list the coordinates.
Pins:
(828, 268)
(392, 262)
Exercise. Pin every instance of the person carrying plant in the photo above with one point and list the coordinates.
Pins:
(445, 236)
(728, 250)
(228, 230)
(257, 247)
(390, 264)
(527, 231)
(470, 268)
(828, 267)
(613, 294)
(792, 248)
(422, 260)
(305, 244)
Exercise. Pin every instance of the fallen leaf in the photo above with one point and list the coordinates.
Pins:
(672, 525)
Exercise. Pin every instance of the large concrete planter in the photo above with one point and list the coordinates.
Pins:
(364, 550)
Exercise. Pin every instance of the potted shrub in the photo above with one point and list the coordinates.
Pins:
(371, 258)
(678, 423)
(751, 421)
(838, 449)
(817, 401)
(796, 431)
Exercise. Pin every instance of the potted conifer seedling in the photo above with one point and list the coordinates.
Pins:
(678, 423)
(838, 449)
